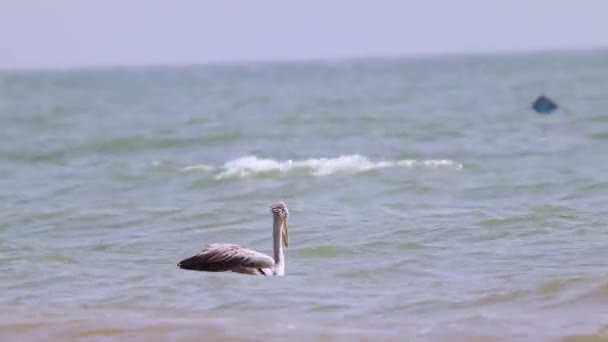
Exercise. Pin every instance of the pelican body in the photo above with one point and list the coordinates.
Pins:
(224, 257)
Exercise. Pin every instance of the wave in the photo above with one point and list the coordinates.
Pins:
(252, 165)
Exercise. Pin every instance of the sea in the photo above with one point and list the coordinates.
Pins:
(427, 200)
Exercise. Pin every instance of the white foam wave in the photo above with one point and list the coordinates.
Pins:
(252, 165)
(199, 167)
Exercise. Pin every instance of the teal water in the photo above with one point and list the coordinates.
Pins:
(427, 201)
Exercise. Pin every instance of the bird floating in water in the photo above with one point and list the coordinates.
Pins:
(223, 257)
(544, 105)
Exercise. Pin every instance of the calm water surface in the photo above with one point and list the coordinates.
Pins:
(427, 202)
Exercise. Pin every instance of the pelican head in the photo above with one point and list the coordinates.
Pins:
(280, 213)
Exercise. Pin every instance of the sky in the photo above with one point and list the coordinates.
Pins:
(83, 33)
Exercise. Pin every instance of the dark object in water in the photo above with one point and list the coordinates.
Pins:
(544, 105)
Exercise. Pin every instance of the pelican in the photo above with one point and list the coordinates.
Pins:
(223, 257)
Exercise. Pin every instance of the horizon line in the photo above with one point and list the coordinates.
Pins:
(300, 60)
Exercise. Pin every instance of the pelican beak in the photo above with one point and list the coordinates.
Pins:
(285, 233)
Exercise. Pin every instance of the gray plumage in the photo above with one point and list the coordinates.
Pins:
(219, 257)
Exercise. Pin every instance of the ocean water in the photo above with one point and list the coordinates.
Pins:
(427, 201)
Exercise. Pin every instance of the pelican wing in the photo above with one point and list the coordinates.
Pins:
(221, 257)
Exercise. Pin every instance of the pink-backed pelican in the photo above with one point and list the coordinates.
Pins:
(222, 257)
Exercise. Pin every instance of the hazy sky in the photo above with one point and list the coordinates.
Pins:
(73, 33)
